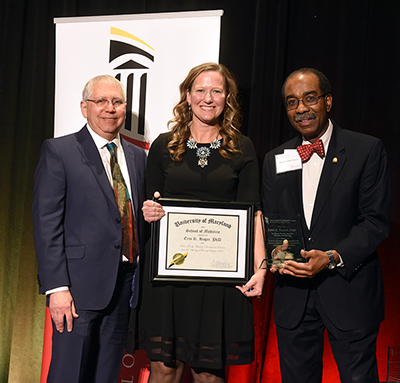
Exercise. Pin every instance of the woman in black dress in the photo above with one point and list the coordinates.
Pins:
(207, 326)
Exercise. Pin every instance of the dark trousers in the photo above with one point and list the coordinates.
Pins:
(301, 349)
(93, 351)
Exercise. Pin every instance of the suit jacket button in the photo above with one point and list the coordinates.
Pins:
(310, 239)
(117, 246)
(118, 220)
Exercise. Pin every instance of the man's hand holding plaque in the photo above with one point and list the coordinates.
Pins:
(279, 255)
(314, 262)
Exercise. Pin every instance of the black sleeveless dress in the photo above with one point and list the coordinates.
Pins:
(206, 326)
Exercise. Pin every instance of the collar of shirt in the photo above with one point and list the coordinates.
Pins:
(100, 142)
(325, 138)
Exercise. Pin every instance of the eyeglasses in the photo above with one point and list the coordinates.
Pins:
(102, 103)
(293, 103)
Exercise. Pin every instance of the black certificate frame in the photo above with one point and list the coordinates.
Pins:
(211, 221)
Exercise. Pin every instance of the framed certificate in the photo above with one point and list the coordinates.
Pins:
(199, 241)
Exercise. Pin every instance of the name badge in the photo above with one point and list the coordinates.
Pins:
(288, 161)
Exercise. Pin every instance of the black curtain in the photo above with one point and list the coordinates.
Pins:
(355, 43)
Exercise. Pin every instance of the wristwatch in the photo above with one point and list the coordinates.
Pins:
(332, 263)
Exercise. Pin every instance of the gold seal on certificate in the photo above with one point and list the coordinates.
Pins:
(276, 229)
(199, 241)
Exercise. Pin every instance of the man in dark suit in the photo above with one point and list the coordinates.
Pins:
(342, 196)
(89, 234)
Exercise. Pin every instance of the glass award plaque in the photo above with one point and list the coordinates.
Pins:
(277, 228)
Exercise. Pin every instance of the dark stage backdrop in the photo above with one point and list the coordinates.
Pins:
(355, 43)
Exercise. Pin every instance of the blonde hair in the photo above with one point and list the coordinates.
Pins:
(229, 119)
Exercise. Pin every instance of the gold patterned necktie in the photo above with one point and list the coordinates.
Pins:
(124, 203)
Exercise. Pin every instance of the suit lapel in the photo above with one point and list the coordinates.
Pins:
(92, 159)
(294, 183)
(334, 162)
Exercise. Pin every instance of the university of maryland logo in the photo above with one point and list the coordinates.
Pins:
(132, 64)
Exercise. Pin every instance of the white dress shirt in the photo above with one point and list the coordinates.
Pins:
(311, 174)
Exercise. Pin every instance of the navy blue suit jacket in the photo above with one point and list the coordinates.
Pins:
(351, 215)
(76, 222)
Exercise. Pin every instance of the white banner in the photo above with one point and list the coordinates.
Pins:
(150, 53)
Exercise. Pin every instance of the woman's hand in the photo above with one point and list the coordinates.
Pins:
(153, 211)
(254, 287)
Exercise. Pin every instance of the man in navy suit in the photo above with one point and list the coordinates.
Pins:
(342, 196)
(88, 279)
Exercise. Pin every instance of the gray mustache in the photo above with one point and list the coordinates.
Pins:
(305, 116)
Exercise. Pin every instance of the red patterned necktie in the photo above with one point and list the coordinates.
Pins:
(121, 193)
(306, 151)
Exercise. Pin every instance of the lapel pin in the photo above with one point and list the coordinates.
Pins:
(334, 160)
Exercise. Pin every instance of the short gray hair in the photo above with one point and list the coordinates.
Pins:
(88, 89)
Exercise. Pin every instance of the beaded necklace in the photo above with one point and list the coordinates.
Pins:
(204, 151)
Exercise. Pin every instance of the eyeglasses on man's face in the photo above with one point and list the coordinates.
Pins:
(102, 103)
(309, 100)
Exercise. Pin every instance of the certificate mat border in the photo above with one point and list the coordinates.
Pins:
(245, 246)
